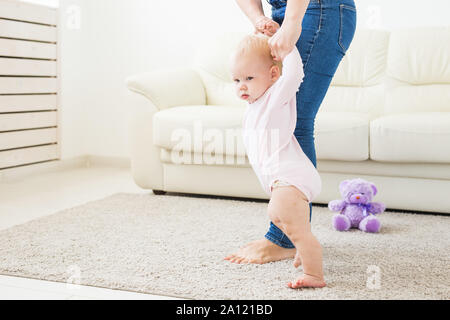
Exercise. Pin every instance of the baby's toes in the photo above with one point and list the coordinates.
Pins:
(296, 284)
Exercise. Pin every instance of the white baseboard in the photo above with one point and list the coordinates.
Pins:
(85, 161)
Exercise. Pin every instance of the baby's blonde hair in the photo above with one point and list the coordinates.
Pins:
(257, 44)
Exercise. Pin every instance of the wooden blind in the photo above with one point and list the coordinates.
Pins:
(29, 85)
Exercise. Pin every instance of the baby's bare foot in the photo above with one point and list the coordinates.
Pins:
(297, 260)
(259, 252)
(307, 281)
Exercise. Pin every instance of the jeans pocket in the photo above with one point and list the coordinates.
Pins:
(347, 26)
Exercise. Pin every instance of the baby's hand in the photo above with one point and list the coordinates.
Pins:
(266, 26)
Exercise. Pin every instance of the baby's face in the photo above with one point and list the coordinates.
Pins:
(252, 76)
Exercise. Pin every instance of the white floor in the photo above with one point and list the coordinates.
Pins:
(43, 194)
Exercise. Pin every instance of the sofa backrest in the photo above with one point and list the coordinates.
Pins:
(358, 85)
(418, 69)
(383, 72)
(211, 61)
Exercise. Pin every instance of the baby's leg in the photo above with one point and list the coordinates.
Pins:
(289, 210)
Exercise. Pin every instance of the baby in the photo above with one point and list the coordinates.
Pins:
(284, 171)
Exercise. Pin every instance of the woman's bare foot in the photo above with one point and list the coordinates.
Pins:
(307, 281)
(261, 251)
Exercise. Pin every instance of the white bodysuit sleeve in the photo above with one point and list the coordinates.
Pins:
(292, 76)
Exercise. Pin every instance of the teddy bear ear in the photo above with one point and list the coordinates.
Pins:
(374, 189)
(343, 184)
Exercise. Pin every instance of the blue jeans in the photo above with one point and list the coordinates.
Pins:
(328, 28)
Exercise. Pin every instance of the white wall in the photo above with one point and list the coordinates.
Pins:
(104, 41)
(393, 14)
(118, 38)
(48, 3)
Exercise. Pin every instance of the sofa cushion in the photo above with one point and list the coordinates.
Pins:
(218, 130)
(420, 55)
(219, 92)
(363, 66)
(365, 61)
(212, 63)
(367, 100)
(415, 137)
(169, 87)
(418, 69)
(417, 98)
(342, 136)
(203, 158)
(200, 129)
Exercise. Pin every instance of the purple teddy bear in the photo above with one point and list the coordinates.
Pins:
(356, 210)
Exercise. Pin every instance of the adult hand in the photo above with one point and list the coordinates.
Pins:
(284, 40)
(266, 26)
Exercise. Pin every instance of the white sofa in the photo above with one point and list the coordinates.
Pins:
(386, 118)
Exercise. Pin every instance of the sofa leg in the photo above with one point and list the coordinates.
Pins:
(159, 192)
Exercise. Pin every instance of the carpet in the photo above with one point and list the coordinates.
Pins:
(174, 245)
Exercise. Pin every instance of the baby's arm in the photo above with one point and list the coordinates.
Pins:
(292, 76)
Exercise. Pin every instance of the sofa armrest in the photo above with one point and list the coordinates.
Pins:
(169, 87)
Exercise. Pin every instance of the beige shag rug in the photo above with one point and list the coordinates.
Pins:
(174, 245)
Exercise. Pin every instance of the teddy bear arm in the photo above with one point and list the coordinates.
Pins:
(336, 205)
(376, 207)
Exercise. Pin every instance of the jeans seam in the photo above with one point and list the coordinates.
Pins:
(315, 37)
(348, 7)
(284, 236)
(340, 27)
(278, 242)
(341, 16)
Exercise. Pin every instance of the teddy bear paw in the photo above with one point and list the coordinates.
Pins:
(370, 224)
(341, 222)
